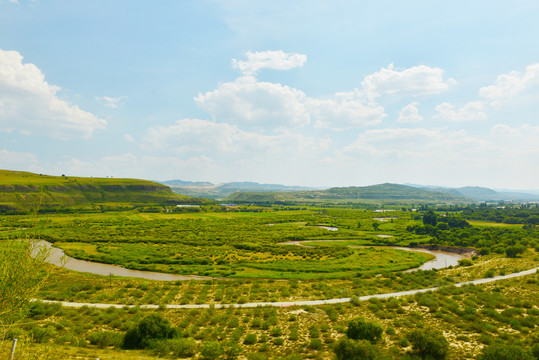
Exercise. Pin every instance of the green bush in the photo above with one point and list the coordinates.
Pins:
(359, 329)
(250, 339)
(103, 339)
(211, 350)
(429, 344)
(151, 328)
(465, 262)
(501, 351)
(346, 349)
(182, 347)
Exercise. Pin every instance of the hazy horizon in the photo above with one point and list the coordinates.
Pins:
(304, 93)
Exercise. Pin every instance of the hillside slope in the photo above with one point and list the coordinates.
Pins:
(221, 191)
(388, 193)
(21, 190)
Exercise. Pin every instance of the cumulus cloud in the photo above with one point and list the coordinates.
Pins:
(30, 105)
(129, 138)
(276, 60)
(250, 102)
(247, 101)
(410, 114)
(472, 111)
(344, 110)
(510, 84)
(414, 81)
(209, 138)
(111, 102)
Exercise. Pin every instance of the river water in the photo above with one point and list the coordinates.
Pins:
(57, 257)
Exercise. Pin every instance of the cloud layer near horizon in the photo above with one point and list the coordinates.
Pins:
(396, 118)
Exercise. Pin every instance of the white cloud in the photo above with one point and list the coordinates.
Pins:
(417, 143)
(110, 101)
(195, 136)
(252, 103)
(247, 101)
(344, 111)
(276, 60)
(472, 111)
(14, 160)
(511, 84)
(410, 114)
(30, 105)
(129, 138)
(414, 81)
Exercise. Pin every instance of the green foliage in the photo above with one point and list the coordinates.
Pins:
(250, 339)
(347, 349)
(513, 251)
(22, 274)
(103, 339)
(429, 344)
(500, 351)
(360, 329)
(430, 218)
(211, 350)
(145, 333)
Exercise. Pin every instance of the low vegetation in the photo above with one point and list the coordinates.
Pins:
(269, 254)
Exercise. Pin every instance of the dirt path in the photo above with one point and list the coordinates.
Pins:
(296, 303)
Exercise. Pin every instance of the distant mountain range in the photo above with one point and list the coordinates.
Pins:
(223, 190)
(256, 192)
(478, 193)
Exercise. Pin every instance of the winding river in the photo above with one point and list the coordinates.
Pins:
(57, 257)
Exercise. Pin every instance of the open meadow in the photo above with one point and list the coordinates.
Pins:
(273, 254)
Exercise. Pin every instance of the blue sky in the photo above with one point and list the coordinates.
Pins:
(317, 93)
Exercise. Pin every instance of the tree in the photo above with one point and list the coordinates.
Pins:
(513, 251)
(22, 274)
(346, 349)
(359, 329)
(430, 218)
(429, 344)
(144, 334)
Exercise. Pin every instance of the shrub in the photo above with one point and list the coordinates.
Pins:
(183, 347)
(465, 262)
(151, 328)
(429, 344)
(211, 350)
(103, 339)
(315, 344)
(250, 339)
(346, 349)
(501, 351)
(513, 251)
(359, 329)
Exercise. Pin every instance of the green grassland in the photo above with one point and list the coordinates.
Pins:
(229, 244)
(471, 317)
(266, 254)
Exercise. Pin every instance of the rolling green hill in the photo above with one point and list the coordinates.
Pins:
(24, 190)
(387, 193)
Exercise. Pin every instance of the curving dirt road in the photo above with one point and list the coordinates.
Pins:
(296, 303)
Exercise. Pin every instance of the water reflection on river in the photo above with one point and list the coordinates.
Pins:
(57, 257)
